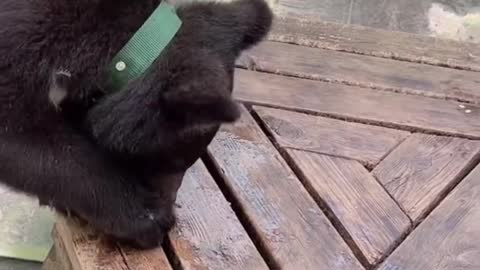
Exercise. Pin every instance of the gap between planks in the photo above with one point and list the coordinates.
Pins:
(424, 169)
(363, 40)
(332, 216)
(354, 104)
(434, 204)
(369, 72)
(364, 143)
(240, 213)
(359, 121)
(261, 140)
(208, 234)
(451, 227)
(323, 205)
(283, 149)
(320, 202)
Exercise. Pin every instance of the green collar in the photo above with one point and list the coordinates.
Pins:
(144, 47)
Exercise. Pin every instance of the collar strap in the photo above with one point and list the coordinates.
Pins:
(144, 47)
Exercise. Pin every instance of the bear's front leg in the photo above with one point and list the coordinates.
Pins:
(66, 171)
(166, 186)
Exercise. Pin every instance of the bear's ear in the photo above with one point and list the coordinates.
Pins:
(255, 16)
(231, 26)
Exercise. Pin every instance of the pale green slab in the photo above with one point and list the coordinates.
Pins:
(25, 228)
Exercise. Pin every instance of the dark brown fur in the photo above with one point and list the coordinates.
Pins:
(115, 160)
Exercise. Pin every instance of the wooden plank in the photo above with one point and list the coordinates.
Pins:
(419, 172)
(369, 215)
(367, 144)
(86, 250)
(288, 222)
(448, 238)
(81, 248)
(154, 259)
(380, 107)
(52, 262)
(365, 71)
(208, 235)
(60, 252)
(377, 42)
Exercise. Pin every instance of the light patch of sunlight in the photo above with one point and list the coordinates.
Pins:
(446, 24)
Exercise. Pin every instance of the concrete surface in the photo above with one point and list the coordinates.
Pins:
(456, 19)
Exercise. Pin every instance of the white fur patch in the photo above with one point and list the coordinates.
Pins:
(56, 93)
(64, 72)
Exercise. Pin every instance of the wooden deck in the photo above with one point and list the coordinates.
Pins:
(358, 149)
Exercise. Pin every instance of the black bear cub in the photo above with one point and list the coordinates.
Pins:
(115, 160)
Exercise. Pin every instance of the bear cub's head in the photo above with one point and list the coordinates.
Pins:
(187, 93)
(193, 77)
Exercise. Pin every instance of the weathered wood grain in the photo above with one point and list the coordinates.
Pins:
(85, 248)
(367, 144)
(365, 71)
(288, 222)
(247, 129)
(356, 103)
(448, 238)
(423, 168)
(377, 42)
(369, 215)
(208, 235)
(154, 259)
(60, 252)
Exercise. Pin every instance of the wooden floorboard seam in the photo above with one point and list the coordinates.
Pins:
(274, 38)
(334, 220)
(371, 168)
(172, 257)
(297, 31)
(391, 57)
(433, 206)
(237, 208)
(124, 256)
(468, 169)
(390, 195)
(338, 224)
(281, 149)
(252, 66)
(362, 121)
(329, 213)
(321, 204)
